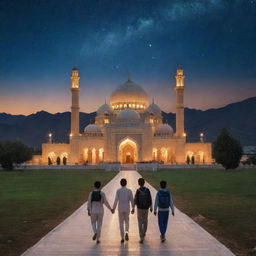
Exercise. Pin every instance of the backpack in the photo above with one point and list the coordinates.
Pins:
(163, 199)
(96, 196)
(143, 198)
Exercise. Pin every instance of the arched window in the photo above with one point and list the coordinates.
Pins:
(164, 154)
(154, 154)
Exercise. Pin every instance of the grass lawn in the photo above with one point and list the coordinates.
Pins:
(223, 202)
(32, 202)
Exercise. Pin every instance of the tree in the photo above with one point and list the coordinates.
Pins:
(13, 152)
(227, 151)
(188, 159)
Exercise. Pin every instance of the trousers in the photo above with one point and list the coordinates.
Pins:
(123, 222)
(163, 221)
(142, 215)
(96, 221)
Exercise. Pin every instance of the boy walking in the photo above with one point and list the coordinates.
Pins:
(124, 198)
(143, 201)
(163, 202)
(95, 209)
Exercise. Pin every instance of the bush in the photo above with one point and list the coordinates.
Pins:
(13, 152)
(227, 151)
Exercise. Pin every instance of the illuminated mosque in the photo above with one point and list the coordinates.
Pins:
(128, 130)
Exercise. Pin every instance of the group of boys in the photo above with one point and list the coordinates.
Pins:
(124, 198)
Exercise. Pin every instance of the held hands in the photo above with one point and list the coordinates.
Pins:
(132, 211)
(173, 214)
(113, 211)
(151, 209)
(155, 213)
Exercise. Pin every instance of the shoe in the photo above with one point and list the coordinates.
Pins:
(162, 238)
(122, 241)
(94, 236)
(98, 241)
(126, 236)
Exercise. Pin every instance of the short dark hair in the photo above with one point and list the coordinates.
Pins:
(97, 184)
(141, 181)
(123, 182)
(163, 184)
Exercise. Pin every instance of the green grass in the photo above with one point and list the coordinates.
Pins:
(32, 202)
(225, 199)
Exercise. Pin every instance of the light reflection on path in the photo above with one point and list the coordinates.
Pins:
(73, 236)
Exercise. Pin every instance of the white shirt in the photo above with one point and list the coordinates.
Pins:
(97, 206)
(123, 197)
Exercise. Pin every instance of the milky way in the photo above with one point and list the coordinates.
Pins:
(213, 40)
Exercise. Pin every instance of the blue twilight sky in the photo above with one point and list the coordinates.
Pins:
(41, 41)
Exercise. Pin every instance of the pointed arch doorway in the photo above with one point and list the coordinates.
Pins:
(128, 151)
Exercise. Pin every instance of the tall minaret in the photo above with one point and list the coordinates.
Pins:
(179, 103)
(75, 102)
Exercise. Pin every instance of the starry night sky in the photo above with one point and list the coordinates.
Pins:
(41, 41)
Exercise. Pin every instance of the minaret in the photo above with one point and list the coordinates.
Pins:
(179, 103)
(75, 102)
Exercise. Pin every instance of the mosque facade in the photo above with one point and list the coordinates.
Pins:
(128, 130)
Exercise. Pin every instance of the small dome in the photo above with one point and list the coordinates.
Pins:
(164, 129)
(91, 128)
(154, 109)
(104, 109)
(128, 115)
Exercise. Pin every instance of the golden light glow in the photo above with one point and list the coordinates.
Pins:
(184, 134)
(75, 78)
(106, 121)
(201, 134)
(50, 135)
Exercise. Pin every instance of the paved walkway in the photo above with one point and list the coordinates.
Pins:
(73, 236)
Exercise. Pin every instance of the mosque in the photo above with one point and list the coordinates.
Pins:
(128, 130)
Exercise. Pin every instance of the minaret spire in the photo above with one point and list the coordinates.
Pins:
(180, 102)
(75, 101)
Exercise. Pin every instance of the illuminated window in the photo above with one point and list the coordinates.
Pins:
(151, 120)
(106, 121)
(130, 105)
(133, 105)
(125, 105)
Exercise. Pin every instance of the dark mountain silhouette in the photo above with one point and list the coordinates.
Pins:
(239, 118)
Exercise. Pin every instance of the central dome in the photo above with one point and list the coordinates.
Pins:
(129, 95)
(128, 115)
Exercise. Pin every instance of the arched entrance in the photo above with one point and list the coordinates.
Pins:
(128, 151)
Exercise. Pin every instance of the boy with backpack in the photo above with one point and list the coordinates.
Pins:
(95, 209)
(163, 201)
(143, 201)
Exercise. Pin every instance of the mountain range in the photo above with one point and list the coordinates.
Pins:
(239, 118)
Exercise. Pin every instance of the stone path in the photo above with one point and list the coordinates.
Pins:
(73, 236)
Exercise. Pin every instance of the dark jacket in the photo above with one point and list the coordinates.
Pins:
(137, 196)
